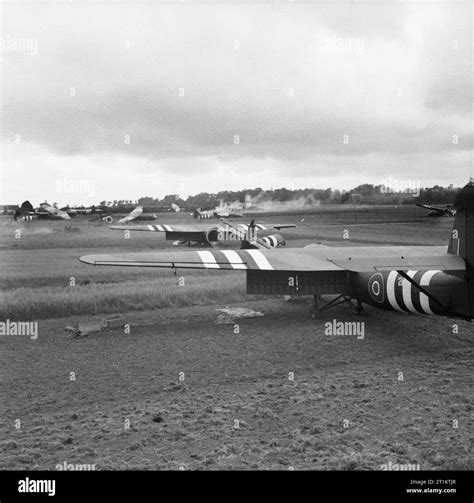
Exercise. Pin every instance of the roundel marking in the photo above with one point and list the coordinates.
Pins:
(376, 287)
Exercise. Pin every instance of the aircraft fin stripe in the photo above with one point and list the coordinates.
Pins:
(260, 260)
(208, 259)
(424, 299)
(234, 259)
(391, 285)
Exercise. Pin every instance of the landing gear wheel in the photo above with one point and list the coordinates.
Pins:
(358, 308)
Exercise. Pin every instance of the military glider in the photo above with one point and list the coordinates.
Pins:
(25, 212)
(213, 234)
(436, 211)
(216, 213)
(417, 279)
(45, 211)
(135, 215)
(81, 210)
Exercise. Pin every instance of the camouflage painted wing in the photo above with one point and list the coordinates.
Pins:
(292, 259)
(195, 228)
(314, 258)
(132, 215)
(258, 227)
(161, 228)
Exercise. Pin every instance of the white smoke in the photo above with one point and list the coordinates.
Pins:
(260, 203)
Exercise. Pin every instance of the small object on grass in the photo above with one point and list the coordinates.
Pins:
(113, 322)
(72, 331)
(70, 228)
(83, 330)
(230, 314)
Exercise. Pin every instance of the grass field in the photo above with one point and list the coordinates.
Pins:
(45, 257)
(183, 391)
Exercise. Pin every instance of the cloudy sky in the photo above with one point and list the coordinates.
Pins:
(123, 99)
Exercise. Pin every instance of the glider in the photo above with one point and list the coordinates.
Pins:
(417, 279)
(135, 214)
(81, 210)
(216, 213)
(215, 233)
(45, 211)
(436, 211)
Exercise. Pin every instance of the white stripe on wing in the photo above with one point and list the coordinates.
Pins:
(260, 259)
(208, 260)
(234, 259)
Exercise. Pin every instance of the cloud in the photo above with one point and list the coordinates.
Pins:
(172, 85)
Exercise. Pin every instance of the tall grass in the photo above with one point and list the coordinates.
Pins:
(57, 302)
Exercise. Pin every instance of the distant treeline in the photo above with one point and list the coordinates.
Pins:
(362, 194)
(285, 199)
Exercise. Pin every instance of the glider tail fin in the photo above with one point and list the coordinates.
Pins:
(462, 235)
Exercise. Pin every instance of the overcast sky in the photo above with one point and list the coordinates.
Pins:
(122, 100)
